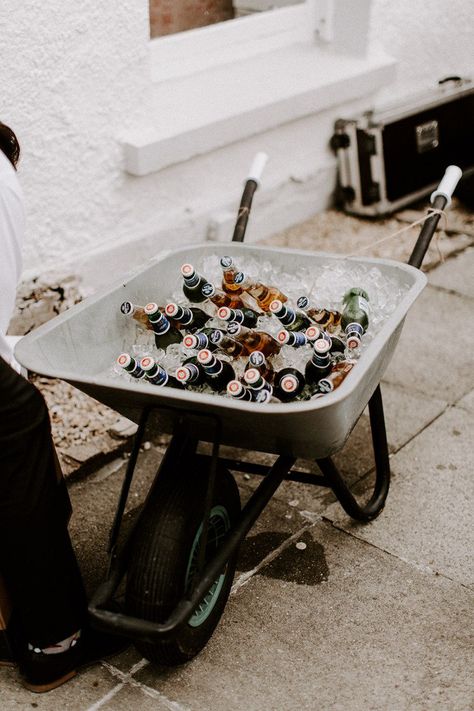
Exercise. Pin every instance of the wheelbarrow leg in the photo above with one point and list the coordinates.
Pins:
(382, 469)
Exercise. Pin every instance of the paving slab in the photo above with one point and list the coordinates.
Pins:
(467, 402)
(456, 274)
(423, 361)
(80, 693)
(429, 516)
(372, 633)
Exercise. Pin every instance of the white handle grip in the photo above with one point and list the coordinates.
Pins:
(256, 169)
(448, 183)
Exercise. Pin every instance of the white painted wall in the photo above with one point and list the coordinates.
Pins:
(430, 39)
(75, 77)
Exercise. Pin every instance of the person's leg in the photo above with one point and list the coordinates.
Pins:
(36, 558)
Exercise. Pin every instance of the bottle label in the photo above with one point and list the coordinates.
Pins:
(160, 377)
(233, 328)
(186, 316)
(302, 302)
(202, 341)
(207, 289)
(364, 305)
(161, 325)
(354, 329)
(297, 339)
(214, 368)
(126, 308)
(257, 358)
(288, 318)
(193, 372)
(215, 337)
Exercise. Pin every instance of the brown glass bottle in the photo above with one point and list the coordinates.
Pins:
(263, 295)
(220, 298)
(329, 320)
(137, 312)
(223, 342)
(253, 340)
(258, 361)
(338, 373)
(229, 273)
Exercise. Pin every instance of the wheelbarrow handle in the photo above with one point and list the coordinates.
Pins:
(251, 184)
(440, 198)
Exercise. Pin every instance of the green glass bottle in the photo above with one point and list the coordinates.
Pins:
(355, 315)
(291, 319)
(188, 317)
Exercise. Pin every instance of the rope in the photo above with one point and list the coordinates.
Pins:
(431, 212)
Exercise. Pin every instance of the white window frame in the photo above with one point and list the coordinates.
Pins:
(193, 51)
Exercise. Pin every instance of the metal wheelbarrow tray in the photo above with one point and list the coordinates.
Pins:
(81, 344)
(180, 556)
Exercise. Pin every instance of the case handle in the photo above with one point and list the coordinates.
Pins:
(251, 184)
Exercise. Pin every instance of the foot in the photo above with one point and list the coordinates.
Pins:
(44, 672)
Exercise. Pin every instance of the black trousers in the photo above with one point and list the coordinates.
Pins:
(37, 561)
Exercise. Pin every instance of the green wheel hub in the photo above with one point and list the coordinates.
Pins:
(219, 524)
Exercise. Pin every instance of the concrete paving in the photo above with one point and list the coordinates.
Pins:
(375, 617)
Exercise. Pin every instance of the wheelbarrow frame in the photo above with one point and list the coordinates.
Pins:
(282, 469)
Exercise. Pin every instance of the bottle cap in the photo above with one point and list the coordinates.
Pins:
(234, 328)
(276, 306)
(187, 270)
(126, 307)
(183, 374)
(353, 342)
(234, 388)
(313, 333)
(302, 302)
(224, 313)
(251, 376)
(289, 383)
(151, 308)
(208, 289)
(239, 278)
(171, 309)
(283, 336)
(147, 363)
(216, 336)
(256, 358)
(190, 341)
(262, 396)
(205, 356)
(226, 262)
(124, 359)
(325, 385)
(321, 346)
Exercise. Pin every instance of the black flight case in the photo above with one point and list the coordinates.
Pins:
(392, 157)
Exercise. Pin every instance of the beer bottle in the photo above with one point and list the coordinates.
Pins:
(256, 382)
(320, 363)
(157, 375)
(291, 319)
(228, 277)
(187, 317)
(228, 345)
(338, 372)
(220, 298)
(199, 340)
(253, 340)
(192, 283)
(324, 318)
(218, 372)
(165, 333)
(238, 391)
(289, 383)
(263, 295)
(336, 343)
(297, 339)
(247, 317)
(191, 372)
(257, 360)
(137, 312)
(355, 315)
(130, 365)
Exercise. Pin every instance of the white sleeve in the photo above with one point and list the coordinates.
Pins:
(12, 226)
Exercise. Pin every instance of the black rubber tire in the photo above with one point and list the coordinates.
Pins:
(160, 558)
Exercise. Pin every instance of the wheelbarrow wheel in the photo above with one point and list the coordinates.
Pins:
(164, 561)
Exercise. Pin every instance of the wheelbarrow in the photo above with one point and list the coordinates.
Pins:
(179, 558)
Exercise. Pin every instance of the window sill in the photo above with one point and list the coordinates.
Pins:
(196, 114)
